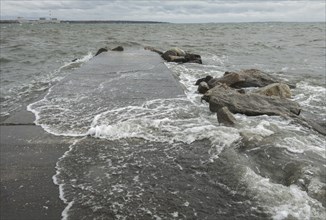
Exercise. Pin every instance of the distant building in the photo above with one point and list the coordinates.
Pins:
(44, 20)
(21, 20)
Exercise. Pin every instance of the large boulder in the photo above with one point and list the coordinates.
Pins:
(244, 78)
(252, 104)
(179, 56)
(276, 89)
(171, 54)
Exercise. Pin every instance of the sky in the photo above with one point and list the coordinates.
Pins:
(175, 11)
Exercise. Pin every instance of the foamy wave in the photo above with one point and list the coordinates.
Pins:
(281, 201)
(311, 97)
(162, 120)
(189, 74)
(76, 63)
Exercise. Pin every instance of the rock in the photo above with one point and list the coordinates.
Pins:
(119, 48)
(179, 56)
(224, 116)
(167, 55)
(249, 104)
(178, 51)
(244, 78)
(177, 59)
(203, 88)
(193, 58)
(276, 89)
(101, 50)
(205, 79)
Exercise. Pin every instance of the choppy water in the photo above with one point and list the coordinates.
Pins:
(191, 167)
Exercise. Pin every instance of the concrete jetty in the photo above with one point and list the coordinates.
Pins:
(29, 154)
(127, 178)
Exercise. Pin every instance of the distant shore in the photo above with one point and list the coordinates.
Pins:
(85, 22)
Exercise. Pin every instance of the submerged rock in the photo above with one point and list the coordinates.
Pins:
(101, 50)
(153, 49)
(105, 49)
(310, 124)
(244, 78)
(118, 48)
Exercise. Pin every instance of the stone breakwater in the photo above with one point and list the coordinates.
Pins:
(251, 92)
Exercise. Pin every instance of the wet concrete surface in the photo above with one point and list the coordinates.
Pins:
(28, 159)
(29, 154)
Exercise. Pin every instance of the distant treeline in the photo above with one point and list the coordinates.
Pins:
(88, 22)
(112, 22)
(8, 21)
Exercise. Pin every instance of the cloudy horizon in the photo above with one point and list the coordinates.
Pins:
(204, 11)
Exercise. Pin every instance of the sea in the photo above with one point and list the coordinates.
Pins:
(170, 158)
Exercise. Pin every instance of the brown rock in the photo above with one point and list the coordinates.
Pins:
(276, 89)
(249, 104)
(244, 78)
(224, 116)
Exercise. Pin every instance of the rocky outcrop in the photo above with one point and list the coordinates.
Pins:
(249, 104)
(245, 78)
(177, 55)
(271, 99)
(276, 89)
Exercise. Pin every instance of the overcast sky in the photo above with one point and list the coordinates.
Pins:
(169, 11)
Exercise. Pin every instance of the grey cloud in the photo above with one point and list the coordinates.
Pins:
(171, 11)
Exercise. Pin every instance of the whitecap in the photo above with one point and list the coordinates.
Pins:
(282, 201)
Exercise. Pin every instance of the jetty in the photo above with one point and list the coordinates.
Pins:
(29, 154)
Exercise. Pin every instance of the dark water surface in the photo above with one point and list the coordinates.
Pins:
(169, 158)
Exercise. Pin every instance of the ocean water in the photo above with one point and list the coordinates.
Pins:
(169, 158)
